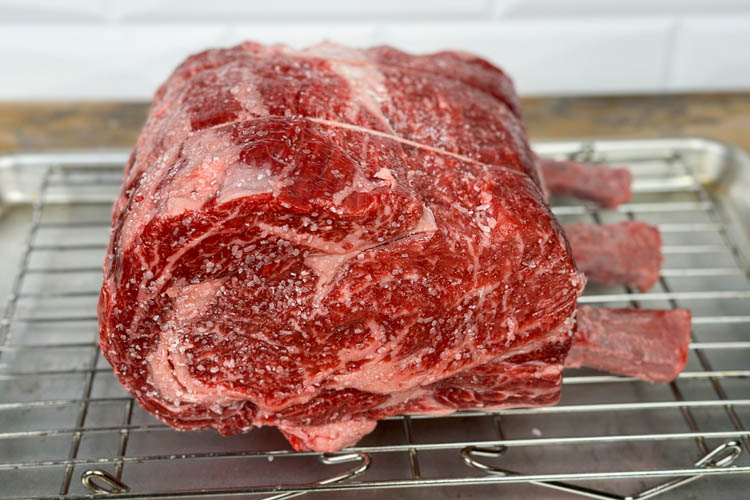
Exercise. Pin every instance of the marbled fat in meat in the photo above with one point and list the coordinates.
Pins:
(317, 239)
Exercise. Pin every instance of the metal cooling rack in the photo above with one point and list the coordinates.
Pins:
(68, 430)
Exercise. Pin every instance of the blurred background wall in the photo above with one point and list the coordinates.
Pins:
(122, 49)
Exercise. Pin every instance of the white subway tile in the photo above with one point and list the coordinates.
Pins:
(580, 9)
(53, 11)
(503, 8)
(711, 53)
(88, 62)
(297, 10)
(544, 57)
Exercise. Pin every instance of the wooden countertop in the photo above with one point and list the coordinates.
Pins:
(58, 125)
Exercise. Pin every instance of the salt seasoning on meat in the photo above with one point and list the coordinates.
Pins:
(289, 219)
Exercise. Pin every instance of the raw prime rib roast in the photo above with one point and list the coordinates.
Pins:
(322, 238)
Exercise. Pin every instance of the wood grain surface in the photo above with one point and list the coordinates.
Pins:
(726, 117)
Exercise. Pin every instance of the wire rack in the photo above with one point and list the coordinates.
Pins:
(67, 429)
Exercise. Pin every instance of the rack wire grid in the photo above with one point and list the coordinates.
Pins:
(67, 428)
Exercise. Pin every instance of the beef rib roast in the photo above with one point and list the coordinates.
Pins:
(317, 239)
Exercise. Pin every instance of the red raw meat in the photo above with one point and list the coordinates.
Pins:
(627, 253)
(648, 344)
(606, 186)
(319, 239)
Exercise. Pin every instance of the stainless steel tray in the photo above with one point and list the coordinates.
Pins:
(64, 416)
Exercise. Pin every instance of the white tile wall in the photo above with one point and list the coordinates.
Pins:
(85, 62)
(54, 11)
(567, 9)
(101, 49)
(594, 56)
(297, 10)
(712, 52)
